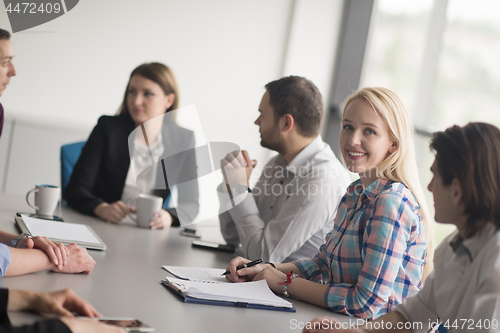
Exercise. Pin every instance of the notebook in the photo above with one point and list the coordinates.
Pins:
(64, 232)
(206, 286)
(197, 274)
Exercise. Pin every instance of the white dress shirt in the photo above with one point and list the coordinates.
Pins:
(291, 208)
(463, 291)
(139, 163)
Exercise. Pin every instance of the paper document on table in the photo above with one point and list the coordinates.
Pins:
(63, 232)
(59, 230)
(255, 293)
(196, 273)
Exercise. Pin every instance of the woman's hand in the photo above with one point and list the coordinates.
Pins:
(162, 219)
(273, 277)
(244, 274)
(57, 252)
(114, 212)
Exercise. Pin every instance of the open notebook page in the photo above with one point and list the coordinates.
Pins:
(196, 273)
(60, 230)
(256, 292)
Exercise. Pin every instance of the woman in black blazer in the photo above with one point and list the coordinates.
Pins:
(103, 182)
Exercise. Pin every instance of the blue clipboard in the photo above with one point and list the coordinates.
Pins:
(195, 300)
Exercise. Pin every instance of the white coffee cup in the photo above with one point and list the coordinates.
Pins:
(146, 206)
(46, 199)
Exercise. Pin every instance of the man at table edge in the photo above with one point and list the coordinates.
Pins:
(292, 207)
(25, 254)
(29, 255)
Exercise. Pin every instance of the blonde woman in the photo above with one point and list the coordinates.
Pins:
(382, 238)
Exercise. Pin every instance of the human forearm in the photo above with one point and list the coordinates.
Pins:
(288, 267)
(25, 261)
(6, 238)
(19, 300)
(250, 229)
(308, 291)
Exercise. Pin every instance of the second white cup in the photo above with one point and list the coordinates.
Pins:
(146, 205)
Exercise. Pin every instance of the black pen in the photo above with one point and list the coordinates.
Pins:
(249, 264)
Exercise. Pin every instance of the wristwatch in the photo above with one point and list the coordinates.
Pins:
(18, 238)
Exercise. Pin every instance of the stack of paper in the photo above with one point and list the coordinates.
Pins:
(197, 274)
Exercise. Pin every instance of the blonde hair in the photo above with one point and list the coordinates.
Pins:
(400, 166)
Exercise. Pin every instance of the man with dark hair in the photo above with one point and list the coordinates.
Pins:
(292, 207)
(463, 291)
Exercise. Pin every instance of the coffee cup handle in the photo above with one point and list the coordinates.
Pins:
(28, 201)
(131, 215)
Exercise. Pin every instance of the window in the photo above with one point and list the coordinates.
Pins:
(440, 57)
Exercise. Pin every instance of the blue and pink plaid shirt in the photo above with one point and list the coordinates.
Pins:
(374, 256)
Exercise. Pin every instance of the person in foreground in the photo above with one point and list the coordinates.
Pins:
(20, 254)
(374, 256)
(463, 292)
(292, 206)
(61, 303)
(106, 177)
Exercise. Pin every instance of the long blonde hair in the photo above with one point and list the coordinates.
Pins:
(401, 166)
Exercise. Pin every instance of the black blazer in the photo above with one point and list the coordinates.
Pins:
(100, 173)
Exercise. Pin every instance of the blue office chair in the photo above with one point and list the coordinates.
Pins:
(442, 329)
(69, 156)
(167, 201)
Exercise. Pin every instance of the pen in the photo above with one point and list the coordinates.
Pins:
(249, 264)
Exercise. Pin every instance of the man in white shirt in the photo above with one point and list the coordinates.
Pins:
(292, 207)
(463, 292)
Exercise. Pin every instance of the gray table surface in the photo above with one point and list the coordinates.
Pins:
(125, 280)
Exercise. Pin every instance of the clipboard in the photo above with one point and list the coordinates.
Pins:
(63, 232)
(180, 290)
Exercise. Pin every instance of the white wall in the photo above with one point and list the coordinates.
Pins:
(75, 68)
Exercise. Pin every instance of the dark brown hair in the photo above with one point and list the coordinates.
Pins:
(471, 154)
(4, 34)
(160, 74)
(301, 99)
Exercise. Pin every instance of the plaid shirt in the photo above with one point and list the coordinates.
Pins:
(374, 255)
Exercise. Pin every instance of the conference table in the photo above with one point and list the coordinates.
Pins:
(126, 279)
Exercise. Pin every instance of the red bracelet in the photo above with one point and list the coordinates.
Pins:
(285, 283)
(288, 279)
